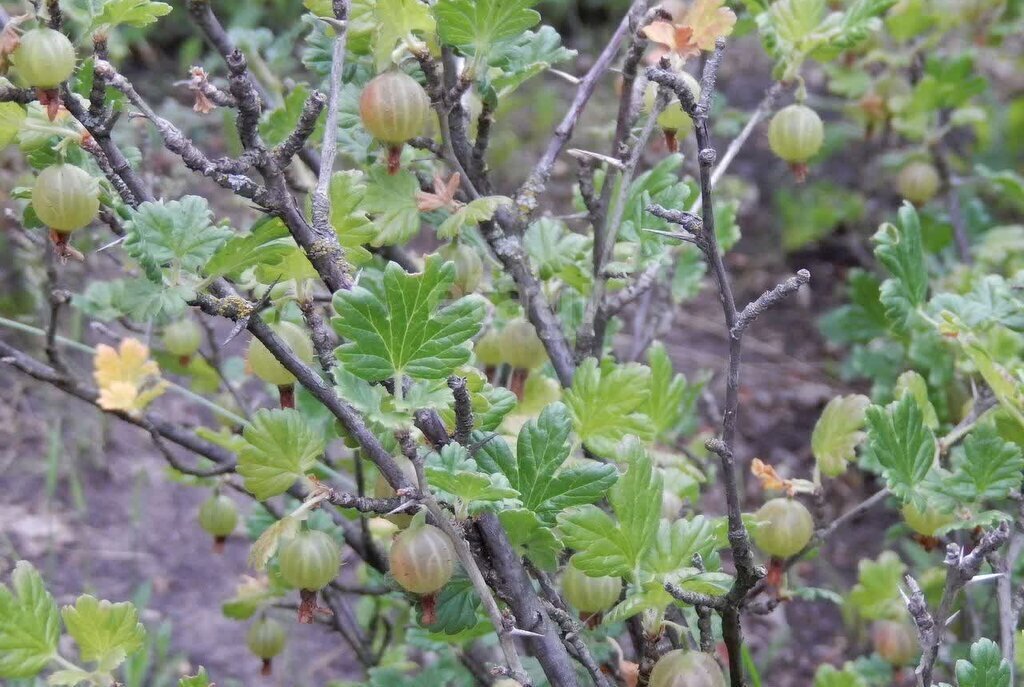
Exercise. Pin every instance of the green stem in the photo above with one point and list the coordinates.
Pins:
(66, 664)
(83, 348)
(399, 391)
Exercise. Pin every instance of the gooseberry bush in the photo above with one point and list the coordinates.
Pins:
(437, 396)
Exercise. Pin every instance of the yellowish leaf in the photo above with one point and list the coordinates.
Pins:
(677, 39)
(710, 20)
(128, 380)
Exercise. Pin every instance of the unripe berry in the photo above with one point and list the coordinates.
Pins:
(65, 198)
(422, 559)
(589, 594)
(521, 347)
(673, 120)
(787, 527)
(310, 560)
(263, 363)
(469, 268)
(266, 639)
(218, 516)
(394, 107)
(918, 182)
(895, 641)
(681, 668)
(182, 338)
(795, 134)
(507, 682)
(383, 490)
(925, 522)
(44, 58)
(488, 349)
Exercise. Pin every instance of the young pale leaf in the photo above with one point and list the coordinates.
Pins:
(251, 595)
(281, 448)
(391, 201)
(989, 468)
(838, 432)
(105, 632)
(876, 595)
(397, 20)
(991, 301)
(829, 676)
(397, 328)
(986, 667)
(69, 677)
(453, 471)
(608, 402)
(137, 13)
(648, 596)
(478, 27)
(899, 250)
(553, 248)
(200, 679)
(1004, 384)
(490, 406)
(474, 212)
(266, 545)
(902, 444)
(29, 627)
(11, 117)
(176, 232)
(913, 384)
(536, 470)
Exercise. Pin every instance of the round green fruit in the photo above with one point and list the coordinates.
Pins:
(521, 347)
(488, 349)
(681, 668)
(796, 133)
(590, 594)
(44, 58)
(218, 516)
(469, 268)
(673, 117)
(263, 363)
(394, 107)
(310, 560)
(918, 182)
(65, 198)
(383, 490)
(925, 522)
(182, 338)
(895, 641)
(787, 527)
(266, 638)
(422, 559)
